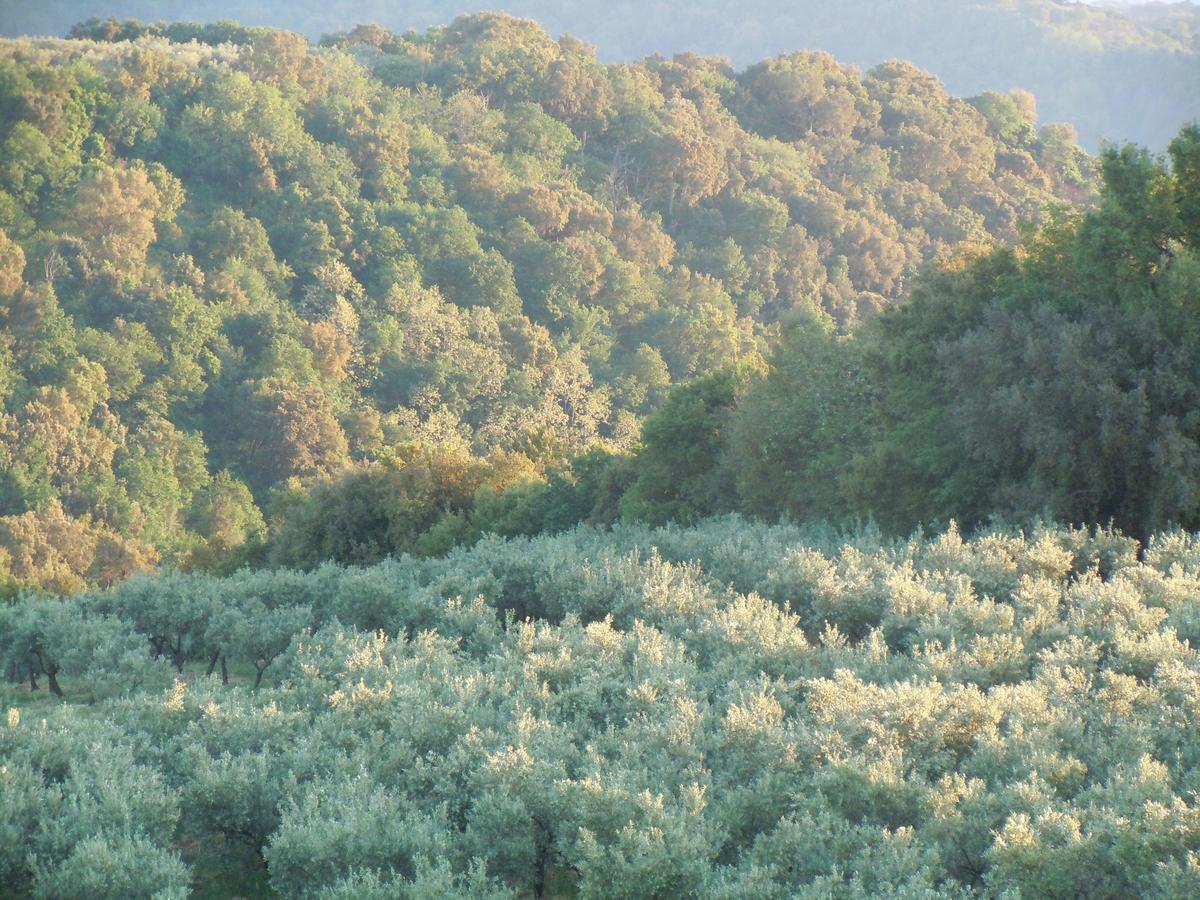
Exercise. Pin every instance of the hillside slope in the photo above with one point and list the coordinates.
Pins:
(231, 259)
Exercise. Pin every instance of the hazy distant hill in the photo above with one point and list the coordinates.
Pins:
(1118, 72)
(1179, 20)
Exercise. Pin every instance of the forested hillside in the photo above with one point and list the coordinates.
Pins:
(1120, 72)
(231, 261)
(732, 711)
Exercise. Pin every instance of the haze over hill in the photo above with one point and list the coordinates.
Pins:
(1128, 73)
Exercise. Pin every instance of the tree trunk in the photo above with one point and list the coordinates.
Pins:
(33, 685)
(53, 682)
(212, 663)
(224, 671)
(258, 677)
(542, 863)
(50, 671)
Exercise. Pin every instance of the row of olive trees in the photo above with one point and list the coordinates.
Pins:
(730, 710)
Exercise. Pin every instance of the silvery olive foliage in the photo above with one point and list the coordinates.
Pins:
(730, 710)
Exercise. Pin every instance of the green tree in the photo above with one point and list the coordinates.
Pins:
(678, 470)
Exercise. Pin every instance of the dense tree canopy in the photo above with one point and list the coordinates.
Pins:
(232, 262)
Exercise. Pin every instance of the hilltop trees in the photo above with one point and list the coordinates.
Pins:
(1119, 71)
